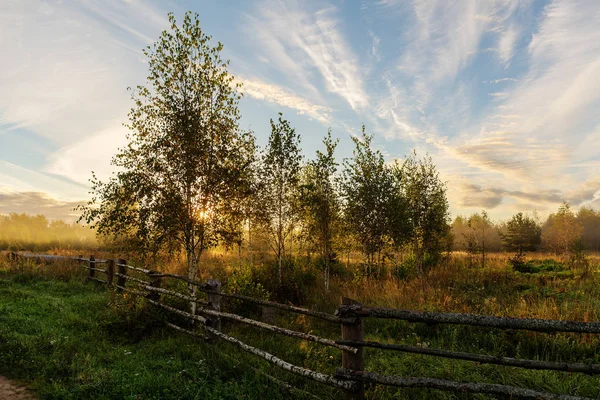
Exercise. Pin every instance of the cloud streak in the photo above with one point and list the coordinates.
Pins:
(309, 40)
(275, 94)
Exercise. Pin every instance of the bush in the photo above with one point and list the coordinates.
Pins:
(242, 281)
(298, 280)
(405, 269)
(535, 266)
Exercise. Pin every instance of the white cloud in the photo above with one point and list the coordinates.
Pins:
(67, 74)
(276, 94)
(18, 179)
(92, 153)
(506, 44)
(305, 40)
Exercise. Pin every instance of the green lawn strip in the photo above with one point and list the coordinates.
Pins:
(63, 340)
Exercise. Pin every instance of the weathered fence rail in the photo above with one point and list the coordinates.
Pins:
(350, 316)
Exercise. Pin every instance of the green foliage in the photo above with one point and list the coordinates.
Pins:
(522, 234)
(578, 257)
(427, 208)
(298, 279)
(320, 204)
(279, 186)
(406, 268)
(369, 191)
(183, 174)
(535, 266)
(243, 281)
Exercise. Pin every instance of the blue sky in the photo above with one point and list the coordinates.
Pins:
(504, 95)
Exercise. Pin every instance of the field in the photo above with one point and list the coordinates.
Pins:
(68, 339)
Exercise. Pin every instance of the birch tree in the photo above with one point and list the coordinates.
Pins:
(368, 189)
(183, 174)
(280, 174)
(427, 208)
(320, 204)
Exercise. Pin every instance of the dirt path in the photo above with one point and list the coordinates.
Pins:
(11, 391)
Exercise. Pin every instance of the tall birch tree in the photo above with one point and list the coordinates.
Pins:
(280, 175)
(183, 174)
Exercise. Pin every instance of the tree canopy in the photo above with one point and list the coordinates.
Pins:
(183, 174)
(522, 234)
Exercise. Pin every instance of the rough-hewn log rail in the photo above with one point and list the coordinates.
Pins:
(131, 267)
(87, 260)
(50, 257)
(146, 286)
(96, 269)
(132, 278)
(207, 289)
(298, 310)
(317, 376)
(277, 329)
(591, 369)
(262, 325)
(454, 386)
(187, 331)
(153, 274)
(175, 294)
(530, 324)
(307, 373)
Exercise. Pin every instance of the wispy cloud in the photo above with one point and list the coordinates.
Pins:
(66, 78)
(490, 197)
(276, 94)
(310, 40)
(506, 44)
(501, 80)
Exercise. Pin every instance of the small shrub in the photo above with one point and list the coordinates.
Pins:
(242, 281)
(534, 266)
(405, 269)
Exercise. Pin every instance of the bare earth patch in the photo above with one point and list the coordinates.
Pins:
(11, 391)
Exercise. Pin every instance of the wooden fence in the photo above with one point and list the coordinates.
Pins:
(350, 316)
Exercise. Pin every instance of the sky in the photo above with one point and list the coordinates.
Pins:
(504, 95)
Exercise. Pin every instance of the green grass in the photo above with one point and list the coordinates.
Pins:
(62, 339)
(61, 336)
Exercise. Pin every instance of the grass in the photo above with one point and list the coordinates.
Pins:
(119, 352)
(64, 341)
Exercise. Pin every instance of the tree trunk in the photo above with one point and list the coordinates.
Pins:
(191, 274)
(250, 240)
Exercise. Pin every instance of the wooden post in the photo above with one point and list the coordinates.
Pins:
(110, 272)
(154, 282)
(355, 362)
(92, 268)
(123, 271)
(214, 302)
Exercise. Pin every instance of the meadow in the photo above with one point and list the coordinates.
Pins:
(68, 339)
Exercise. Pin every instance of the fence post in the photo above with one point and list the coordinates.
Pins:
(155, 281)
(110, 272)
(92, 269)
(355, 362)
(121, 280)
(214, 302)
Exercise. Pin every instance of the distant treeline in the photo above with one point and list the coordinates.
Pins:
(37, 233)
(558, 233)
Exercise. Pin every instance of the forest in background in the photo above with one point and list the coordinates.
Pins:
(476, 233)
(37, 233)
